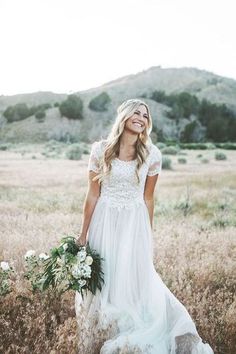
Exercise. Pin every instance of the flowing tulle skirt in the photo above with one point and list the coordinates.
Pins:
(148, 316)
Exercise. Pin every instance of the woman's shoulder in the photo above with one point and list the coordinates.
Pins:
(98, 146)
(154, 150)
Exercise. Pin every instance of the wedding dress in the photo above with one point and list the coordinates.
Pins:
(148, 315)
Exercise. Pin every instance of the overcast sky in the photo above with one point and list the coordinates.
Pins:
(72, 45)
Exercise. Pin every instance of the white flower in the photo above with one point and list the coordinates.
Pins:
(88, 260)
(65, 246)
(82, 282)
(29, 254)
(81, 255)
(43, 256)
(5, 266)
(76, 272)
(85, 270)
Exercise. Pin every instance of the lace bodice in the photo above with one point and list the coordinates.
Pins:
(121, 188)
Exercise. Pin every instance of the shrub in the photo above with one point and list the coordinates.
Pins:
(161, 145)
(17, 112)
(4, 147)
(169, 150)
(220, 155)
(100, 102)
(193, 146)
(74, 152)
(72, 107)
(40, 115)
(204, 160)
(182, 160)
(166, 163)
(226, 146)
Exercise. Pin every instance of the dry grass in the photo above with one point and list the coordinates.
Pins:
(194, 238)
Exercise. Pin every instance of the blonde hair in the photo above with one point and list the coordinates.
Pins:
(124, 112)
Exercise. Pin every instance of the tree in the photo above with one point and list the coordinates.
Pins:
(18, 112)
(72, 107)
(100, 102)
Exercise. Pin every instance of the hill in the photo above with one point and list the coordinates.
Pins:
(96, 124)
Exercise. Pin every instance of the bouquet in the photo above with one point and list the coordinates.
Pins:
(70, 266)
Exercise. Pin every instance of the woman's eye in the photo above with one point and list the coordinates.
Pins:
(138, 113)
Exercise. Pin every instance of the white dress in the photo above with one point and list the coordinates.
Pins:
(149, 318)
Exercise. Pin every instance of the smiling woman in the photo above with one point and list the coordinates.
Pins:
(117, 222)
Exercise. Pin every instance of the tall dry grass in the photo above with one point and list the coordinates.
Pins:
(194, 239)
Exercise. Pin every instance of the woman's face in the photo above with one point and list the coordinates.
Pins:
(138, 122)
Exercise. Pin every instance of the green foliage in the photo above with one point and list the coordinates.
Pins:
(100, 102)
(21, 111)
(187, 134)
(204, 160)
(226, 146)
(40, 108)
(158, 132)
(169, 150)
(4, 147)
(166, 163)
(18, 112)
(182, 160)
(220, 155)
(72, 107)
(219, 120)
(6, 273)
(159, 96)
(161, 145)
(193, 146)
(40, 115)
(182, 104)
(74, 152)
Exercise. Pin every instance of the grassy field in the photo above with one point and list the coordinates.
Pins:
(41, 199)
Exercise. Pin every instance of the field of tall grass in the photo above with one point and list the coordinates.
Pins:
(41, 199)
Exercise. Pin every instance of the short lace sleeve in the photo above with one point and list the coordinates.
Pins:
(155, 164)
(95, 155)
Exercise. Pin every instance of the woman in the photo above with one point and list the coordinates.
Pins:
(117, 222)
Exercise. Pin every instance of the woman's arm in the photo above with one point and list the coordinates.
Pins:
(149, 195)
(90, 201)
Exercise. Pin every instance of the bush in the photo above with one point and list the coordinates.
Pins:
(204, 160)
(226, 146)
(166, 163)
(17, 112)
(220, 155)
(100, 102)
(161, 145)
(72, 107)
(40, 107)
(40, 115)
(169, 150)
(193, 146)
(182, 160)
(4, 147)
(74, 152)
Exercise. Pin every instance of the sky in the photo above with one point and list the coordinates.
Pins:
(67, 46)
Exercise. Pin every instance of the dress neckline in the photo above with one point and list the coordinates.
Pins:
(117, 158)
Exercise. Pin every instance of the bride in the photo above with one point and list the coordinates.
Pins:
(117, 221)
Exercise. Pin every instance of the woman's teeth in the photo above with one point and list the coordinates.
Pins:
(139, 125)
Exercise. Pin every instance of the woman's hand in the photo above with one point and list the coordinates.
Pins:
(81, 240)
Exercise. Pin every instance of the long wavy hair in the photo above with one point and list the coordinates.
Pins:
(112, 142)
